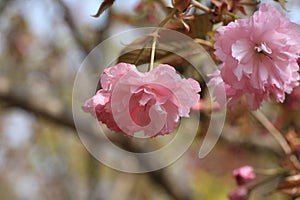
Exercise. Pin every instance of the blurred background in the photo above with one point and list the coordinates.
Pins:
(42, 45)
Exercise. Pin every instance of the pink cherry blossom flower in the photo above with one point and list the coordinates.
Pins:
(244, 174)
(99, 105)
(239, 194)
(259, 56)
(153, 102)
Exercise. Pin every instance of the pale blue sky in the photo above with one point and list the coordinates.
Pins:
(39, 13)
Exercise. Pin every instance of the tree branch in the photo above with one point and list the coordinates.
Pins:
(64, 118)
(3, 5)
(70, 22)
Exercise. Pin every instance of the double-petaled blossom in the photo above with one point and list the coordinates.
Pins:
(259, 56)
(152, 102)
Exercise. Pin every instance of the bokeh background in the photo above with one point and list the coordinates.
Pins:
(42, 45)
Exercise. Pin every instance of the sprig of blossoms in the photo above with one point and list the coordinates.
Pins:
(153, 102)
(259, 56)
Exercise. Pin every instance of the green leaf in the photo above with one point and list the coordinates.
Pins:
(105, 5)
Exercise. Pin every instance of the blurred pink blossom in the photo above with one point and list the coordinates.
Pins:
(259, 56)
(139, 7)
(148, 10)
(239, 194)
(244, 174)
(153, 102)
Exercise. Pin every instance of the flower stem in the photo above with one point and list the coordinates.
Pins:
(155, 36)
(166, 20)
(270, 172)
(273, 130)
(270, 178)
(154, 41)
(153, 52)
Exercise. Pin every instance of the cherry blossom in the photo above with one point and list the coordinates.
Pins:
(152, 102)
(259, 56)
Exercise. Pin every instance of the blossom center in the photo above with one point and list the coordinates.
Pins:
(263, 48)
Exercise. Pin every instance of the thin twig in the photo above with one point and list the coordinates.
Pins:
(153, 52)
(273, 130)
(204, 42)
(268, 179)
(277, 136)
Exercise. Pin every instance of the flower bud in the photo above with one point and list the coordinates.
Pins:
(239, 194)
(243, 174)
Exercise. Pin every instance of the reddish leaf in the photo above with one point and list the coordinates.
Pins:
(241, 9)
(290, 185)
(181, 5)
(221, 3)
(201, 24)
(105, 5)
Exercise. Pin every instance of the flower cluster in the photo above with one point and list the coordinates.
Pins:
(153, 102)
(260, 59)
(259, 56)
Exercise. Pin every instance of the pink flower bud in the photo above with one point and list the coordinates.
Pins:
(244, 174)
(239, 194)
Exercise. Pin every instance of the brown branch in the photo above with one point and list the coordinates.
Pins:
(277, 135)
(273, 130)
(3, 5)
(64, 118)
(71, 23)
(13, 100)
(72, 26)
